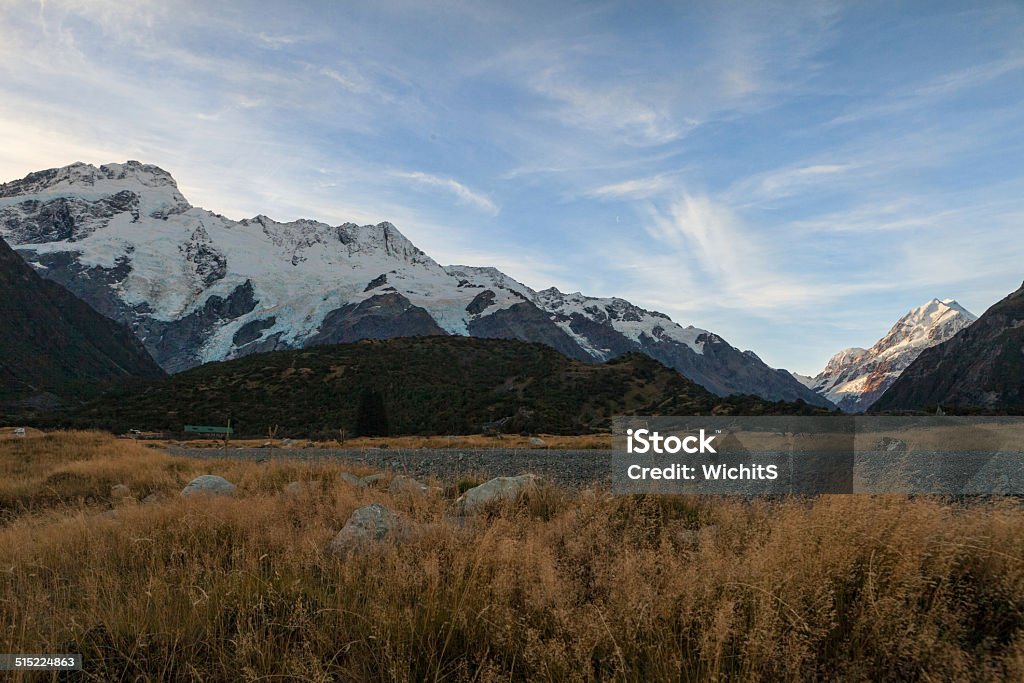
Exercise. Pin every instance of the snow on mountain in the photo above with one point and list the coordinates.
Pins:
(979, 367)
(806, 380)
(196, 287)
(855, 378)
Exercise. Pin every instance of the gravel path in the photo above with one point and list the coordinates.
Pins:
(575, 468)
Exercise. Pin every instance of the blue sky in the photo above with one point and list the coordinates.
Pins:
(793, 176)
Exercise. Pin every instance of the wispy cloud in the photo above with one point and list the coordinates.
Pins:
(460, 191)
(736, 266)
(618, 110)
(786, 182)
(636, 188)
(279, 41)
(933, 91)
(350, 80)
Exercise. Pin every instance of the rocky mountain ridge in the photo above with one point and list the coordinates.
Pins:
(196, 286)
(980, 367)
(855, 378)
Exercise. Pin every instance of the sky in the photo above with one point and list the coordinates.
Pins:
(792, 176)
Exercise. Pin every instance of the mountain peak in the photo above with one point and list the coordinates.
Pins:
(979, 366)
(930, 314)
(152, 185)
(854, 378)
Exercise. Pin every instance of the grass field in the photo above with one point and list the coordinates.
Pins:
(503, 441)
(561, 586)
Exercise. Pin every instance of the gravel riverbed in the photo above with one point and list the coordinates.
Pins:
(576, 468)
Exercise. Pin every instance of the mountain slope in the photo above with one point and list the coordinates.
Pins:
(52, 345)
(981, 367)
(854, 378)
(428, 385)
(196, 287)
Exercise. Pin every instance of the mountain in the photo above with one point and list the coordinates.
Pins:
(419, 385)
(854, 378)
(54, 346)
(196, 287)
(981, 367)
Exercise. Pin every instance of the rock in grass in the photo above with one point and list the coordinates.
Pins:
(496, 490)
(404, 484)
(120, 492)
(353, 480)
(369, 524)
(210, 485)
(376, 480)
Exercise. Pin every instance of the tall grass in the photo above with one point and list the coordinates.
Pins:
(565, 586)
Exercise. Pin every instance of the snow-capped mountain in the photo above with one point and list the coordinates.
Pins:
(980, 367)
(855, 378)
(197, 287)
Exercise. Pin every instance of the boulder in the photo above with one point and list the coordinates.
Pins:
(120, 492)
(376, 480)
(155, 497)
(496, 490)
(209, 484)
(353, 480)
(369, 524)
(404, 484)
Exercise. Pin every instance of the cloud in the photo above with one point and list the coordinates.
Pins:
(279, 41)
(942, 87)
(786, 182)
(726, 261)
(351, 80)
(637, 188)
(463, 193)
(630, 114)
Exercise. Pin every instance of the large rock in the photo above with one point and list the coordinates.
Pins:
(120, 492)
(209, 484)
(404, 484)
(375, 480)
(367, 525)
(499, 489)
(353, 480)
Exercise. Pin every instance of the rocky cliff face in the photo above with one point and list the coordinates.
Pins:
(855, 378)
(195, 286)
(982, 366)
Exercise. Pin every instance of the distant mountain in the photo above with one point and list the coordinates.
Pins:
(53, 346)
(421, 385)
(854, 378)
(195, 286)
(982, 367)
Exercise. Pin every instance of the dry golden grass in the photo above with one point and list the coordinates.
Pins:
(585, 441)
(8, 433)
(566, 586)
